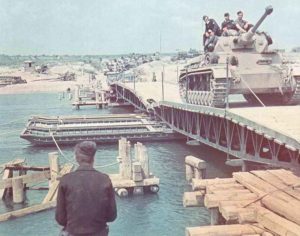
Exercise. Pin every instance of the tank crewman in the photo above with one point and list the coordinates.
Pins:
(210, 42)
(210, 24)
(228, 26)
(242, 25)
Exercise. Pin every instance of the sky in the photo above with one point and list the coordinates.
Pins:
(98, 27)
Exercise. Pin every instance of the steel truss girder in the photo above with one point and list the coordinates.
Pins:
(229, 136)
(129, 96)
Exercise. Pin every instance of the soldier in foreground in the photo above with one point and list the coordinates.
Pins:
(85, 201)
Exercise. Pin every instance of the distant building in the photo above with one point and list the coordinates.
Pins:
(29, 65)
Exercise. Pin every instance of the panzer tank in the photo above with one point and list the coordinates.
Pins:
(241, 64)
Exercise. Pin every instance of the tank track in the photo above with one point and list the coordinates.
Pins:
(216, 97)
(295, 99)
(219, 90)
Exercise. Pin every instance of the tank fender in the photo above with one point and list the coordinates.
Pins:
(295, 70)
(221, 72)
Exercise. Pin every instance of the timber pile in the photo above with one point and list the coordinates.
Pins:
(17, 184)
(250, 203)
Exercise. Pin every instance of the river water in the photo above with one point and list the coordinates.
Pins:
(159, 214)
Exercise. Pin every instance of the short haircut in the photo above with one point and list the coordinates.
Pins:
(85, 151)
(239, 12)
(204, 17)
(226, 14)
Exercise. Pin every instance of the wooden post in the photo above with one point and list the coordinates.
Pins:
(197, 173)
(192, 199)
(54, 167)
(126, 162)
(198, 167)
(137, 172)
(6, 174)
(18, 190)
(122, 154)
(189, 172)
(144, 160)
(214, 216)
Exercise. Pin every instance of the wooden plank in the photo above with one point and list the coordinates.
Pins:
(224, 230)
(231, 191)
(13, 163)
(220, 187)
(193, 199)
(238, 203)
(286, 177)
(200, 184)
(246, 217)
(121, 183)
(271, 197)
(27, 179)
(4, 178)
(213, 200)
(28, 168)
(254, 184)
(52, 193)
(276, 223)
(277, 183)
(230, 213)
(26, 211)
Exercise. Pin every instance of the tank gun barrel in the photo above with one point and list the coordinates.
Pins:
(268, 11)
(244, 38)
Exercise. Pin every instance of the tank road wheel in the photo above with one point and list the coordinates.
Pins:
(203, 89)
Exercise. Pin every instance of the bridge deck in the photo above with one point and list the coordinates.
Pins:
(279, 121)
(282, 119)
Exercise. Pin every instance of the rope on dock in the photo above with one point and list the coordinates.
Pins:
(74, 163)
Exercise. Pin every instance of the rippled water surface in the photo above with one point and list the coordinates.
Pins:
(160, 214)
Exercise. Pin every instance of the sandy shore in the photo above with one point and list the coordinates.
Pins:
(50, 83)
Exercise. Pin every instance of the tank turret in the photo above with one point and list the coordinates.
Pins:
(249, 40)
(241, 65)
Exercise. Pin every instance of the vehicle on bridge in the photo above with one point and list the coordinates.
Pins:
(241, 64)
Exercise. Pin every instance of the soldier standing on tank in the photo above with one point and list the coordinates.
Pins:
(210, 24)
(210, 42)
(228, 26)
(242, 25)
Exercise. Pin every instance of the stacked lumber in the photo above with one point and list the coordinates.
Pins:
(264, 202)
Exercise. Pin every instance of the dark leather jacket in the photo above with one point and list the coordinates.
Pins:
(85, 201)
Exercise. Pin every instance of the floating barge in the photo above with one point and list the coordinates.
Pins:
(66, 130)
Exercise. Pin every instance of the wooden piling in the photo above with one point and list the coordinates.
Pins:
(54, 167)
(126, 160)
(214, 216)
(195, 168)
(193, 199)
(6, 174)
(18, 190)
(189, 173)
(144, 160)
